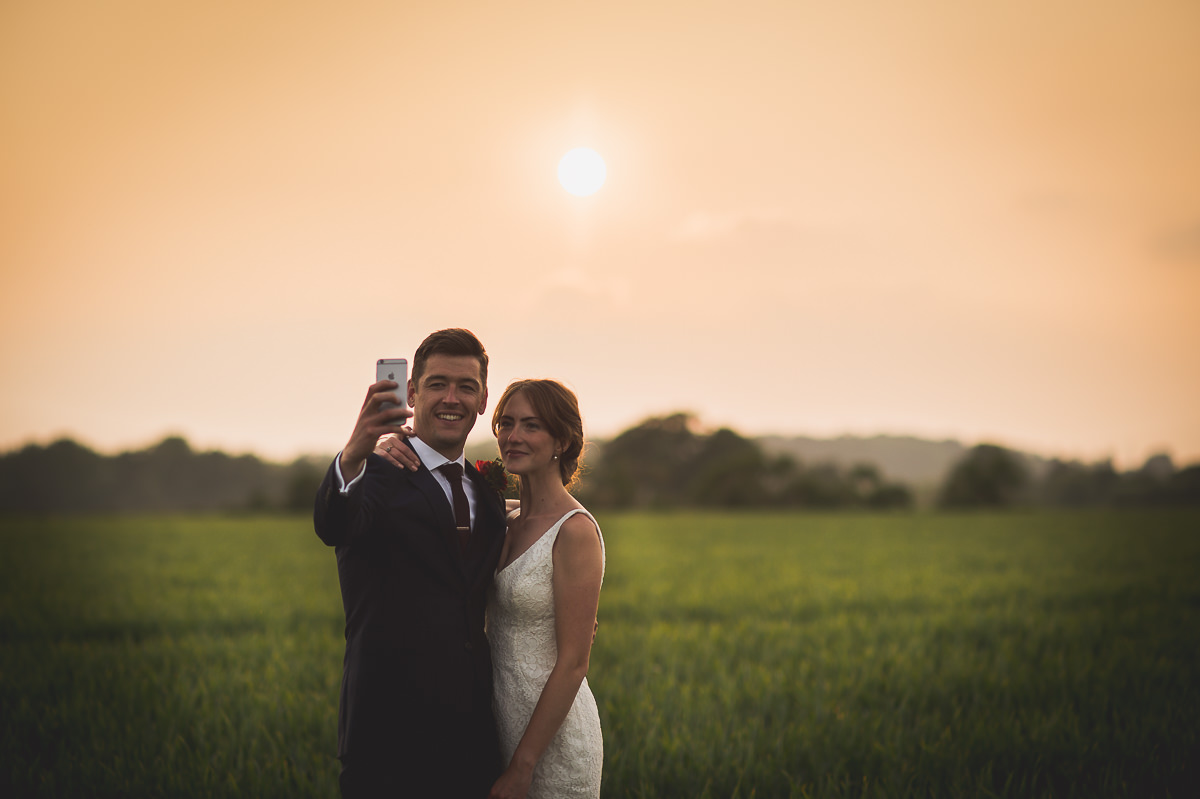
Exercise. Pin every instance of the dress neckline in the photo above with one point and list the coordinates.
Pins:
(538, 540)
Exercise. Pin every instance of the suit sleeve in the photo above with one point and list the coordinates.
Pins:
(338, 518)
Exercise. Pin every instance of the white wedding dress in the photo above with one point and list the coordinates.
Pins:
(520, 631)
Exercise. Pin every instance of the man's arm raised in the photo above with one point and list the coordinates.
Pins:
(372, 423)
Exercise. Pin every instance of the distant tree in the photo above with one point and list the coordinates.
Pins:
(66, 477)
(872, 491)
(779, 473)
(864, 479)
(1158, 467)
(665, 462)
(62, 476)
(1072, 484)
(729, 471)
(648, 465)
(820, 486)
(1183, 488)
(1158, 482)
(988, 476)
(304, 478)
(890, 496)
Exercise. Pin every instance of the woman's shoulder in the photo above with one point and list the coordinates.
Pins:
(579, 527)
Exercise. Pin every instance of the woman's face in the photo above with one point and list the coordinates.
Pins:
(524, 441)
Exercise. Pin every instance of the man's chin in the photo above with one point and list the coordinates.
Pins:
(455, 436)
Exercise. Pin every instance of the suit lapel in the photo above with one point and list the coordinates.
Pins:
(487, 537)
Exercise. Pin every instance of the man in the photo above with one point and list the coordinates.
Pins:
(415, 716)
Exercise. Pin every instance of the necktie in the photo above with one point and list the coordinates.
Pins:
(462, 510)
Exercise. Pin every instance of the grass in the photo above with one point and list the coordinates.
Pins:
(764, 655)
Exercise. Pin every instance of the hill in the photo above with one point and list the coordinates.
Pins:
(917, 461)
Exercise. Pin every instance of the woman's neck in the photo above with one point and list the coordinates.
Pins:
(542, 492)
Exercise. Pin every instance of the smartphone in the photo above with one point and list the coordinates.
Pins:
(394, 369)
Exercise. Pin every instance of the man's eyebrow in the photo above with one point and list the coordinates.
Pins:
(473, 381)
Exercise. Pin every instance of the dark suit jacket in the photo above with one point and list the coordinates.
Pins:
(417, 666)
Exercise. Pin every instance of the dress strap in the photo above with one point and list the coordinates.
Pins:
(558, 526)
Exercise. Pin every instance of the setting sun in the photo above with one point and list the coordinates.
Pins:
(582, 171)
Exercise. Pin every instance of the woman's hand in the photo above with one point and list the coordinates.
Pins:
(513, 783)
(391, 448)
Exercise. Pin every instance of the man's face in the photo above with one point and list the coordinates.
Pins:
(446, 403)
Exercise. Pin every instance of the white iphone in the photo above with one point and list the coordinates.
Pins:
(394, 369)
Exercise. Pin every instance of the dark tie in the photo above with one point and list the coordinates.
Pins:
(462, 510)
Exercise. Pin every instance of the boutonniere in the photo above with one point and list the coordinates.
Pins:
(495, 476)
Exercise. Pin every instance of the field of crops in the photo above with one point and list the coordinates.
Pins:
(738, 655)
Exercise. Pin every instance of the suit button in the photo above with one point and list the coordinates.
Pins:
(467, 646)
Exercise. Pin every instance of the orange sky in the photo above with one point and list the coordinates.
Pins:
(819, 218)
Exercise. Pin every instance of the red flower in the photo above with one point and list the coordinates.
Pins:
(493, 472)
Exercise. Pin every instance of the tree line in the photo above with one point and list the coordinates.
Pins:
(990, 476)
(670, 462)
(66, 477)
(662, 463)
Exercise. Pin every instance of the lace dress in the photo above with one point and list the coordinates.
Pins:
(520, 631)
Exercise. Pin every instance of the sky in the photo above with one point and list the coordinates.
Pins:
(941, 219)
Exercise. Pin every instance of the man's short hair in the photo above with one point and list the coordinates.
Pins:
(452, 341)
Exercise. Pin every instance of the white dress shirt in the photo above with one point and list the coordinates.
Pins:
(431, 459)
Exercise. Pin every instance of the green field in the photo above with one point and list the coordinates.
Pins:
(738, 655)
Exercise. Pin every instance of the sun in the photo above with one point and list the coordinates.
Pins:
(582, 171)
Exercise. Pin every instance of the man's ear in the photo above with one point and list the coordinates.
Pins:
(483, 402)
(412, 392)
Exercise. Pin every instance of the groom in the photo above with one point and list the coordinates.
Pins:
(415, 716)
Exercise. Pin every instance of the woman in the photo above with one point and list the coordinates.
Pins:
(542, 607)
(541, 612)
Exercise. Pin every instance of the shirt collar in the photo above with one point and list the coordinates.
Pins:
(431, 458)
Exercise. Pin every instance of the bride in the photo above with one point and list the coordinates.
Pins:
(541, 610)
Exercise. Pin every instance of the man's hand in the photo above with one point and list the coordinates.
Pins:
(372, 423)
